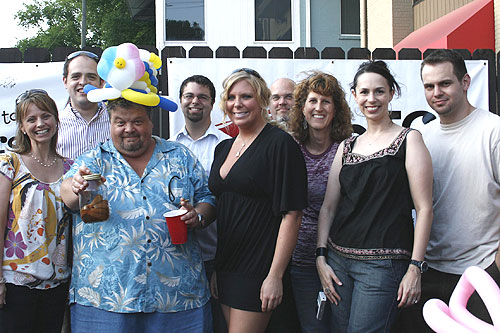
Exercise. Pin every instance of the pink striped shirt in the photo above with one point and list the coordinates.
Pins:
(76, 135)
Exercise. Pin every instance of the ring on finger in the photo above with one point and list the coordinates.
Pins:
(415, 301)
(327, 290)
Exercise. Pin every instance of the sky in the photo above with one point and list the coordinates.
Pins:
(12, 32)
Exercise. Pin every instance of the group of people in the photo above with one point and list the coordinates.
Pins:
(294, 204)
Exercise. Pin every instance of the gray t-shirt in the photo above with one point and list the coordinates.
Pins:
(466, 192)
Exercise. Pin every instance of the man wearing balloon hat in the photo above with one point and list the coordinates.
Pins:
(129, 274)
(83, 123)
(465, 148)
(197, 97)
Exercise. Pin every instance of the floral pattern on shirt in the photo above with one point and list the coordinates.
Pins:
(35, 253)
(128, 263)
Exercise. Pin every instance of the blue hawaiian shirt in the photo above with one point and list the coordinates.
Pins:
(128, 264)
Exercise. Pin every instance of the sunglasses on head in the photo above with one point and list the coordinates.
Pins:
(248, 71)
(89, 54)
(29, 93)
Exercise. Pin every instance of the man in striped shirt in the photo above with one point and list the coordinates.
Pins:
(83, 124)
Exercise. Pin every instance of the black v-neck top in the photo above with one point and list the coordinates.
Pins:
(268, 180)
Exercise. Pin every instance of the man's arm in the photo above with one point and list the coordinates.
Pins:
(497, 258)
(71, 187)
(191, 217)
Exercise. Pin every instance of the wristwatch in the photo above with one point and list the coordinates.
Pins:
(422, 265)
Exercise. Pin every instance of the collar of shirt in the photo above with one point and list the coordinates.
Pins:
(161, 147)
(211, 130)
(100, 109)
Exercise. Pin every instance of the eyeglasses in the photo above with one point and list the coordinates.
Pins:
(28, 93)
(202, 97)
(89, 54)
(248, 71)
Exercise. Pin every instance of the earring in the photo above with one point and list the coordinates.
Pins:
(24, 133)
(304, 123)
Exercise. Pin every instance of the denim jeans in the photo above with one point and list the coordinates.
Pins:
(85, 319)
(368, 293)
(306, 285)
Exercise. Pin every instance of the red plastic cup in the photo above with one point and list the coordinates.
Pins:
(176, 227)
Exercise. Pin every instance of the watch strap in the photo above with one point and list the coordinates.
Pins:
(321, 252)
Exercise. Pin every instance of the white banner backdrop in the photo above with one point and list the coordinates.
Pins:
(406, 72)
(16, 79)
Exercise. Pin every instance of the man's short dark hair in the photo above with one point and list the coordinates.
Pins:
(126, 104)
(201, 80)
(443, 55)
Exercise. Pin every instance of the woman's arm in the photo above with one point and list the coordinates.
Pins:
(5, 189)
(271, 292)
(325, 219)
(419, 169)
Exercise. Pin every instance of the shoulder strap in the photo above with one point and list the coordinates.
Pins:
(400, 142)
(347, 147)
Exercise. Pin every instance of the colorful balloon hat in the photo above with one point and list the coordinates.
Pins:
(130, 73)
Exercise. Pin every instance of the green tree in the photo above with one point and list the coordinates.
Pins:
(58, 24)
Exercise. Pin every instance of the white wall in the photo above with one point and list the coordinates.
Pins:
(227, 23)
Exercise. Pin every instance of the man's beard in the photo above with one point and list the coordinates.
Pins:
(194, 117)
(131, 146)
(282, 118)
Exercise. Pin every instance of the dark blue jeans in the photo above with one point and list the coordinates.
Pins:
(306, 285)
(368, 293)
(86, 319)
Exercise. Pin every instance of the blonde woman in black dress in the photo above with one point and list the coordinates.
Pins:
(259, 179)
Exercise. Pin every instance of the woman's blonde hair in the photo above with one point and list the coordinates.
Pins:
(263, 94)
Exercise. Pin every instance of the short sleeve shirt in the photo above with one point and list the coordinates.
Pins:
(36, 233)
(128, 263)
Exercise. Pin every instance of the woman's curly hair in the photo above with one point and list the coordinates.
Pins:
(326, 85)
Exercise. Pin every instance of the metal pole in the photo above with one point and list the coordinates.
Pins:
(84, 22)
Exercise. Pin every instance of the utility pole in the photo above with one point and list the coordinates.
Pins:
(84, 22)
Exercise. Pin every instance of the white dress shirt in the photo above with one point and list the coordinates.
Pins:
(204, 149)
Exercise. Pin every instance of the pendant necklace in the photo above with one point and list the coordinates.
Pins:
(43, 164)
(238, 153)
(244, 144)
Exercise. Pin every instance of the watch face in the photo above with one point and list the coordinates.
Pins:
(424, 267)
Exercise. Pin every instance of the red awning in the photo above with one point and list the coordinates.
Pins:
(468, 27)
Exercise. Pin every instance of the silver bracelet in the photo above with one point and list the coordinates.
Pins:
(2, 280)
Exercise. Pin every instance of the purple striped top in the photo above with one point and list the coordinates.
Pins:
(318, 169)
